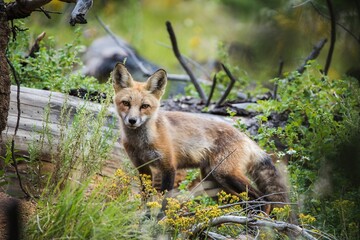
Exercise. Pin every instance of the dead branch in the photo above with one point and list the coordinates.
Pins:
(281, 65)
(79, 11)
(36, 46)
(229, 87)
(314, 54)
(337, 23)
(127, 50)
(182, 61)
(23, 8)
(16, 127)
(332, 38)
(211, 91)
(281, 226)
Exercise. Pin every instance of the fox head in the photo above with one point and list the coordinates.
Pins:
(136, 102)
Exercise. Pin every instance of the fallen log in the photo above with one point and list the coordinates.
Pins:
(33, 103)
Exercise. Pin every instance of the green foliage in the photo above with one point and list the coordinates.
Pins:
(190, 177)
(79, 213)
(51, 68)
(322, 114)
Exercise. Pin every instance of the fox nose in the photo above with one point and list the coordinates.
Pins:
(132, 121)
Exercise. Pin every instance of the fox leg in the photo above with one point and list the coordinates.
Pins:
(167, 180)
(236, 184)
(231, 183)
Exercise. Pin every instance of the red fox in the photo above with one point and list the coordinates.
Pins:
(175, 140)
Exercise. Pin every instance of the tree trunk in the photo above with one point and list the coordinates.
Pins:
(4, 70)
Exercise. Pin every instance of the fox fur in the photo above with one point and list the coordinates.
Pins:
(176, 140)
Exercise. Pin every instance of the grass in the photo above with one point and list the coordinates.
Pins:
(78, 213)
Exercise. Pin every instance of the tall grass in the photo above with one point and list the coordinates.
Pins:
(78, 213)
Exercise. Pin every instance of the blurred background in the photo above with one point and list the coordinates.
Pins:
(254, 35)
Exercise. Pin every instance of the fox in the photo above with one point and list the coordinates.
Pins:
(170, 140)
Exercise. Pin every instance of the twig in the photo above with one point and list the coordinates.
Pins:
(23, 9)
(333, 37)
(45, 12)
(183, 63)
(229, 87)
(211, 91)
(281, 65)
(253, 222)
(127, 50)
(36, 46)
(339, 24)
(314, 53)
(16, 127)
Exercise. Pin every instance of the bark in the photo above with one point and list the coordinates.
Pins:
(4, 70)
(23, 8)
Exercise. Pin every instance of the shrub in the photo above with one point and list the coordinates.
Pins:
(322, 116)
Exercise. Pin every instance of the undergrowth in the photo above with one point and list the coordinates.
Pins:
(101, 208)
(56, 68)
(322, 117)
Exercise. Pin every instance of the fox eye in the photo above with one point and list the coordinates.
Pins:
(145, 106)
(126, 103)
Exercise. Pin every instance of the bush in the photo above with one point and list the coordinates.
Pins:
(53, 67)
(323, 116)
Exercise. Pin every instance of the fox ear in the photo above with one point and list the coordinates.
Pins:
(121, 78)
(156, 83)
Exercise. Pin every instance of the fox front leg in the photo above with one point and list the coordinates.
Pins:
(167, 180)
(167, 185)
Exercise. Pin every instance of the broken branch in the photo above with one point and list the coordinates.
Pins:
(182, 61)
(281, 65)
(332, 37)
(253, 222)
(314, 54)
(211, 91)
(23, 8)
(229, 87)
(36, 47)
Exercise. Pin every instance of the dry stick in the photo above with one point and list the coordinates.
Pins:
(182, 61)
(249, 221)
(143, 69)
(16, 127)
(127, 50)
(211, 91)
(281, 65)
(23, 9)
(333, 37)
(314, 53)
(337, 23)
(230, 86)
(185, 78)
(35, 48)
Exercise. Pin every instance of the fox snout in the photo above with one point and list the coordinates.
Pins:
(133, 122)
